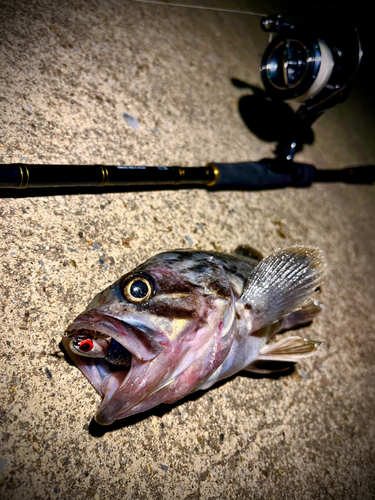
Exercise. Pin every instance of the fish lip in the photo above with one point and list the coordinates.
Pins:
(138, 342)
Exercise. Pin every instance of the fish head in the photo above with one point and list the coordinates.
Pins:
(154, 335)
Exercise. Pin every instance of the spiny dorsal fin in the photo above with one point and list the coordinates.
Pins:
(248, 251)
(282, 282)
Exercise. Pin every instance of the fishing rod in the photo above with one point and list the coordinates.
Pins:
(266, 174)
(311, 58)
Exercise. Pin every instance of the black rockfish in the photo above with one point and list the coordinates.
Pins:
(185, 319)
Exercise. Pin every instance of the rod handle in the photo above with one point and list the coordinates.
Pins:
(266, 174)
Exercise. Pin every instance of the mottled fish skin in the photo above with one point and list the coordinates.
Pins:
(194, 329)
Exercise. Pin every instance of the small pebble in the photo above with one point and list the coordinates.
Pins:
(3, 463)
(72, 249)
(164, 467)
(131, 120)
(48, 373)
(95, 246)
(189, 240)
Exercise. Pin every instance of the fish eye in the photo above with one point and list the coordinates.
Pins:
(137, 289)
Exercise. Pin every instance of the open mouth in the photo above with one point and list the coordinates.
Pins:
(114, 356)
(116, 359)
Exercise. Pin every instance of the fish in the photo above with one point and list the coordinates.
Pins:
(185, 319)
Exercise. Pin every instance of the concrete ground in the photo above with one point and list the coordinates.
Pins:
(69, 72)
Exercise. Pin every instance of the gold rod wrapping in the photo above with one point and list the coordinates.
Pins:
(25, 177)
(216, 173)
(105, 175)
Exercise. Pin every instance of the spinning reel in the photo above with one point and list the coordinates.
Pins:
(311, 59)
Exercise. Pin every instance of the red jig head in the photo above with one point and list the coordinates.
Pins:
(85, 345)
(91, 347)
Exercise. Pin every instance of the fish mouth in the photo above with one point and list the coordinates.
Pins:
(112, 381)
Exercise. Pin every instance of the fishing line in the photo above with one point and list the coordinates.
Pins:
(229, 11)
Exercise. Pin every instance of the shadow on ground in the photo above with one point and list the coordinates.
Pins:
(271, 120)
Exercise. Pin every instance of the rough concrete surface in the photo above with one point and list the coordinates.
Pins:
(69, 72)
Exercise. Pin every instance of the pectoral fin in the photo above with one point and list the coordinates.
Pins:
(281, 283)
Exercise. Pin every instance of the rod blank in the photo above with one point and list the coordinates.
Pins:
(265, 174)
(22, 176)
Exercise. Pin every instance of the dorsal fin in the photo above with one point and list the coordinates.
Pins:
(248, 251)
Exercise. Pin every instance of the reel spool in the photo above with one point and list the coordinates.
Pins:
(313, 56)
